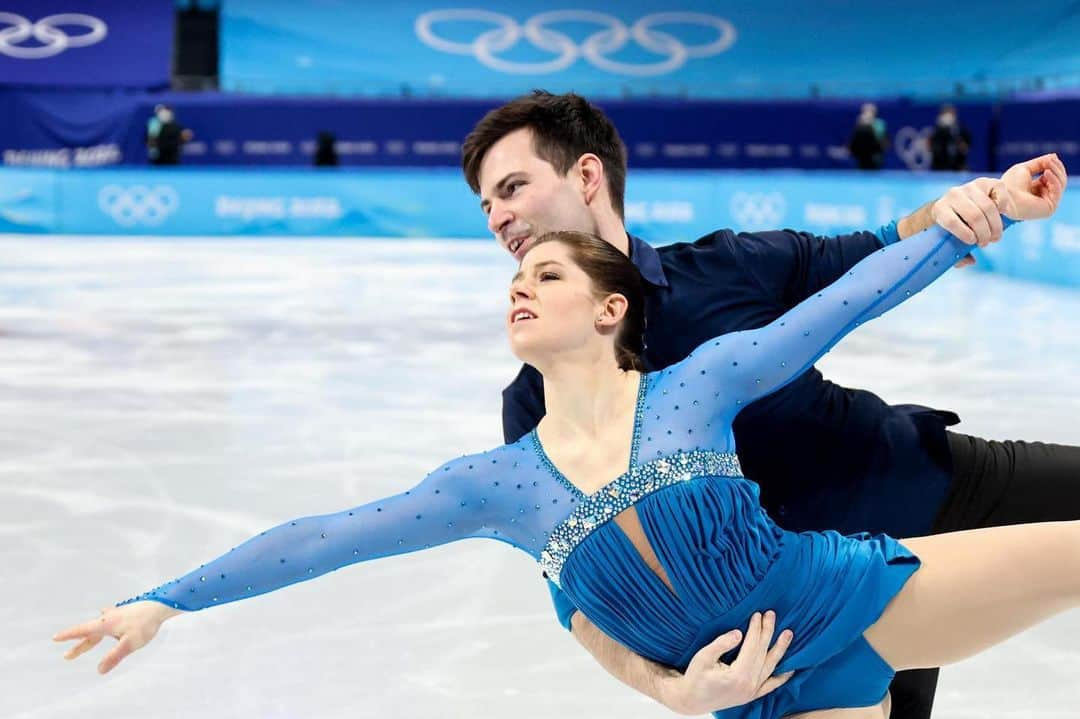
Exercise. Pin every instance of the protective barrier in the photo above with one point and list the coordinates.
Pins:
(661, 206)
(98, 128)
(1027, 129)
(89, 128)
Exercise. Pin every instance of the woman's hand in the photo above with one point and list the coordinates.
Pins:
(709, 685)
(1034, 188)
(134, 625)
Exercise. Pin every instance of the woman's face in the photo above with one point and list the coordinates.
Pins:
(553, 307)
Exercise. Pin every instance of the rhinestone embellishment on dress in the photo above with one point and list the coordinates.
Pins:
(624, 492)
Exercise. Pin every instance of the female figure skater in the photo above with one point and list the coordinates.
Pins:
(629, 496)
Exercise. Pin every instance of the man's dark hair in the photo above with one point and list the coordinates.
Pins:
(564, 127)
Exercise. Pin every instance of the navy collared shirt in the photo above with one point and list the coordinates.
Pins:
(825, 456)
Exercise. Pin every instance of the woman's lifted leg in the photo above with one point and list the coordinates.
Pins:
(976, 589)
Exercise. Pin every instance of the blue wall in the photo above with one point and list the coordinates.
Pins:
(99, 128)
(663, 206)
(643, 48)
(103, 43)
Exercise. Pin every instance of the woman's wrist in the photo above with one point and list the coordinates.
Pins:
(160, 610)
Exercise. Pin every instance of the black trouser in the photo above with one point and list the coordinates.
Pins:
(994, 483)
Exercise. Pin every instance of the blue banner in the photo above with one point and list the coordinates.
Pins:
(644, 48)
(100, 128)
(92, 128)
(71, 128)
(1028, 129)
(662, 206)
(86, 43)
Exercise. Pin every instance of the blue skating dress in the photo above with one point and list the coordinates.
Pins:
(724, 557)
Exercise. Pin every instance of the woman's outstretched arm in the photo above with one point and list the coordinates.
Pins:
(443, 508)
(435, 512)
(744, 366)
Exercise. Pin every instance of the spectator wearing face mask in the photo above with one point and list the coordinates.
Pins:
(868, 140)
(950, 142)
(165, 137)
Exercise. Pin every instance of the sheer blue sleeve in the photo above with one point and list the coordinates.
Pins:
(748, 365)
(448, 505)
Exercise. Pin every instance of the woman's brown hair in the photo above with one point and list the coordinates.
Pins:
(611, 272)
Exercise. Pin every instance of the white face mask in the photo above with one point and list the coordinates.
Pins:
(165, 116)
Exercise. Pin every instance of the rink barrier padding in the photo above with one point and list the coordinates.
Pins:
(662, 206)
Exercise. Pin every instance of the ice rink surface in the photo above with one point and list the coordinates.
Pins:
(162, 401)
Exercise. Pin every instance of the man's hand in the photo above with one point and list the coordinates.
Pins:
(1034, 188)
(710, 685)
(969, 212)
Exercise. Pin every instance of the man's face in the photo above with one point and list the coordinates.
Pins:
(524, 197)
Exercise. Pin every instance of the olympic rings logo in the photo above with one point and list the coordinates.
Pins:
(913, 146)
(612, 37)
(53, 40)
(138, 204)
(758, 210)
